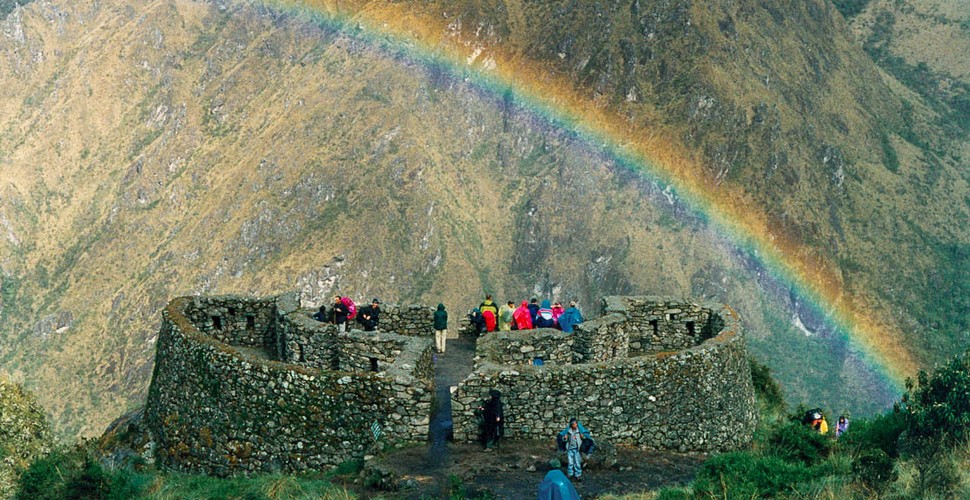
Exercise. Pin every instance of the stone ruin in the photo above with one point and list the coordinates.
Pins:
(652, 372)
(257, 385)
(246, 385)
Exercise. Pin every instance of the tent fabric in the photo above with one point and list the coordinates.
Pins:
(556, 486)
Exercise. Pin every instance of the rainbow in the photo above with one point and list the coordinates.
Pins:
(405, 32)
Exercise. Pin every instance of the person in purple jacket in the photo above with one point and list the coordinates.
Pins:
(841, 426)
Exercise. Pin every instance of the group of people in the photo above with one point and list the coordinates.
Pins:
(343, 310)
(489, 316)
(574, 440)
(816, 420)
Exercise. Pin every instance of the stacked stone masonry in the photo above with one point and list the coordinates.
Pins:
(653, 372)
(256, 385)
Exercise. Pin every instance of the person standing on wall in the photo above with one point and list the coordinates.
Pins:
(505, 318)
(570, 318)
(544, 317)
(339, 313)
(574, 439)
(522, 317)
(533, 309)
(488, 305)
(370, 316)
(557, 310)
(440, 328)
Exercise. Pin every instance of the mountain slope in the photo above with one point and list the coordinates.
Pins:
(175, 147)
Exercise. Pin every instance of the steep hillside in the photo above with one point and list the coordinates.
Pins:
(24, 434)
(780, 107)
(171, 147)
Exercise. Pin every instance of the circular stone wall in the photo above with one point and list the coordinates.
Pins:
(657, 373)
(223, 409)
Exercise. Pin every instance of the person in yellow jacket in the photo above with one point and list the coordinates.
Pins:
(820, 424)
(488, 305)
(505, 316)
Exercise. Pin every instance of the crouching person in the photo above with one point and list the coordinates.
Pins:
(575, 439)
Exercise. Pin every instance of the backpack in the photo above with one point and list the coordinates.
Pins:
(351, 307)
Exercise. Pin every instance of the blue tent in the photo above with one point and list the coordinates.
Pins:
(557, 487)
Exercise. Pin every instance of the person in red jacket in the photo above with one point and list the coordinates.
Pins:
(489, 320)
(523, 316)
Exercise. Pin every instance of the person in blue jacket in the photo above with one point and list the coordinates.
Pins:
(571, 439)
(570, 318)
(544, 318)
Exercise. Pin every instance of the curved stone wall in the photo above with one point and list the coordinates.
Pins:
(683, 387)
(220, 402)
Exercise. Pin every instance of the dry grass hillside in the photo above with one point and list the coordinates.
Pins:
(169, 147)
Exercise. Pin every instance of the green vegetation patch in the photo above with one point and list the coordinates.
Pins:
(24, 434)
(79, 473)
(925, 438)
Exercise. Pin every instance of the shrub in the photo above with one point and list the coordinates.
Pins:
(850, 8)
(745, 475)
(938, 406)
(875, 470)
(937, 422)
(799, 443)
(89, 482)
(877, 433)
(44, 478)
(73, 473)
(766, 388)
(674, 494)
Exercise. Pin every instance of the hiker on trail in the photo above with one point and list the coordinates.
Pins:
(570, 318)
(321, 315)
(557, 311)
(522, 317)
(477, 321)
(505, 318)
(533, 309)
(440, 328)
(488, 305)
(339, 313)
(370, 316)
(574, 439)
(544, 316)
(493, 420)
(841, 426)
(816, 419)
(489, 318)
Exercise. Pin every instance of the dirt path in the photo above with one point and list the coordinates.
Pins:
(450, 368)
(515, 470)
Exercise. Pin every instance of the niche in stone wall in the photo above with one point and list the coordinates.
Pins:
(712, 326)
(655, 324)
(373, 364)
(690, 328)
(250, 322)
(217, 322)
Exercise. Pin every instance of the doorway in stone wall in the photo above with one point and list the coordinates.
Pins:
(450, 368)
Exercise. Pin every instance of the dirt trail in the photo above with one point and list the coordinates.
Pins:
(450, 368)
(515, 470)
